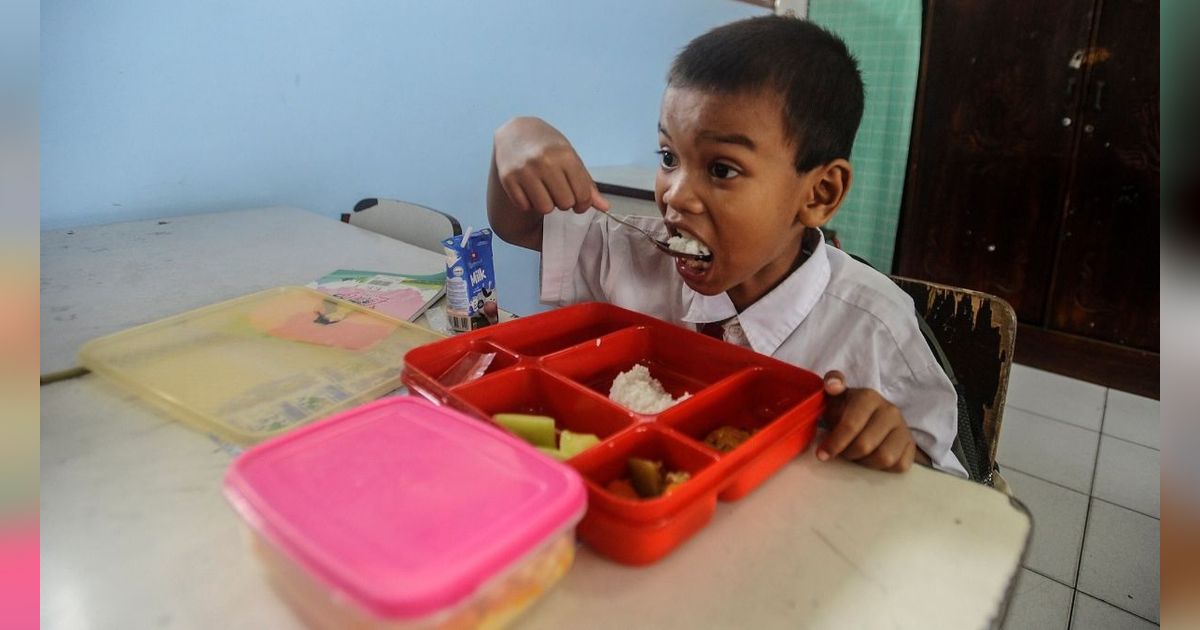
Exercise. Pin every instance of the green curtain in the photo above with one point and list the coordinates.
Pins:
(885, 36)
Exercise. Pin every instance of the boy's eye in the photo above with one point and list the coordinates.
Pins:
(667, 159)
(722, 171)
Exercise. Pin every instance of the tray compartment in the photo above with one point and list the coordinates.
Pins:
(680, 364)
(532, 391)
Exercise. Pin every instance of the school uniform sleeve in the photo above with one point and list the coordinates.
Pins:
(568, 238)
(885, 356)
(910, 377)
(888, 354)
(930, 406)
(585, 258)
(865, 326)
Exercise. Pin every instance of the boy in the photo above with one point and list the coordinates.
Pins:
(755, 132)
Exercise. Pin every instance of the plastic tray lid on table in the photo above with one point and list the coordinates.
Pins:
(255, 366)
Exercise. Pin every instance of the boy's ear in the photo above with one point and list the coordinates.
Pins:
(825, 188)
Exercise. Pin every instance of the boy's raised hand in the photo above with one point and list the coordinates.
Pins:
(540, 170)
(866, 428)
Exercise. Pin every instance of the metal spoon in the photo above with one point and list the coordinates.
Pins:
(661, 245)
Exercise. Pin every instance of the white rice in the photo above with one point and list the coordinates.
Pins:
(640, 392)
(684, 243)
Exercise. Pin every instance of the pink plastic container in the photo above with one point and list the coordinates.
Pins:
(402, 514)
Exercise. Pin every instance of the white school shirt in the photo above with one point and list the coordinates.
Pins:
(832, 313)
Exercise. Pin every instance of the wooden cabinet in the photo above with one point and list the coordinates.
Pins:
(1033, 173)
(1106, 278)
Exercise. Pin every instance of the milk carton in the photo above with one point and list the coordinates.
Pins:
(470, 281)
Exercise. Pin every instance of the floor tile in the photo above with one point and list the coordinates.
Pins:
(1132, 418)
(1127, 474)
(1120, 559)
(1052, 450)
(1090, 613)
(1058, 517)
(1038, 603)
(1056, 396)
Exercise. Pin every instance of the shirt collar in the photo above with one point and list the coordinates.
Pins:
(776, 315)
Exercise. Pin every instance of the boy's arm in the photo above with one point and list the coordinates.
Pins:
(534, 170)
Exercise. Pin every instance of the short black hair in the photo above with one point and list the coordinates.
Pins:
(810, 67)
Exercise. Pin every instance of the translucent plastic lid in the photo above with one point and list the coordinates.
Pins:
(259, 365)
(403, 506)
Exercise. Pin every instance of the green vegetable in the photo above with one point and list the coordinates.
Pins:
(537, 430)
(572, 444)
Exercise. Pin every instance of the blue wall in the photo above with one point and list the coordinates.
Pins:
(152, 107)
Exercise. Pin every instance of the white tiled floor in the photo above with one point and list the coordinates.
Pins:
(1056, 396)
(1120, 559)
(1085, 461)
(1127, 474)
(1055, 451)
(1038, 603)
(1093, 614)
(1132, 418)
(1059, 515)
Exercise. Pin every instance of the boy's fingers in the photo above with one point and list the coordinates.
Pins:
(878, 429)
(539, 197)
(853, 418)
(906, 460)
(581, 187)
(835, 383)
(598, 202)
(512, 188)
(889, 453)
(835, 407)
(560, 190)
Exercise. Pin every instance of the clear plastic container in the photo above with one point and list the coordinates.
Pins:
(562, 364)
(403, 514)
(259, 365)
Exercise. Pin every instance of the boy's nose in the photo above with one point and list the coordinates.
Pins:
(680, 195)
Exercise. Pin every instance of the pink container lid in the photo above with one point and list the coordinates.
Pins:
(403, 506)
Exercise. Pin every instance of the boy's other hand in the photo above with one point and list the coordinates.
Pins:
(866, 428)
(539, 169)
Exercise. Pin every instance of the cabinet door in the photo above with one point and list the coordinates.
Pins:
(992, 146)
(1106, 280)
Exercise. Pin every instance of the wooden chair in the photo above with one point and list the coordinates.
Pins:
(409, 222)
(977, 333)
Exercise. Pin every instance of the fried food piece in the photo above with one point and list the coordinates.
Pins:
(622, 488)
(726, 438)
(676, 479)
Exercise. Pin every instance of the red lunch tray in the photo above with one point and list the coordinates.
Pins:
(562, 363)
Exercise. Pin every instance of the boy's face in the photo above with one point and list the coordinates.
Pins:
(727, 178)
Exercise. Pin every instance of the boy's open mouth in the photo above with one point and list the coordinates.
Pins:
(682, 241)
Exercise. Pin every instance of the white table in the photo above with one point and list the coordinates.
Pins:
(135, 532)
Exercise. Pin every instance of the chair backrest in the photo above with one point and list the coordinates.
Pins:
(977, 333)
(409, 222)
